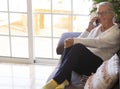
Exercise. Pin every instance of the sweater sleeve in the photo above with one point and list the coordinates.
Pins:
(84, 34)
(109, 39)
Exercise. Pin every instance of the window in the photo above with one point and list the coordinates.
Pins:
(32, 28)
(13, 28)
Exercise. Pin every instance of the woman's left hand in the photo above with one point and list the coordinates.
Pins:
(68, 42)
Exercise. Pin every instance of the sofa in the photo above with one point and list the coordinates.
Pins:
(78, 81)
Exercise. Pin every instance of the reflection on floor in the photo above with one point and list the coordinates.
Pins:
(23, 76)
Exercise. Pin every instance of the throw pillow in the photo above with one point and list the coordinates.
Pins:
(105, 76)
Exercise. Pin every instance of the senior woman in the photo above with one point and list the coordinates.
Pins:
(86, 53)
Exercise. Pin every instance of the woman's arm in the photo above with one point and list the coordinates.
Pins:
(109, 39)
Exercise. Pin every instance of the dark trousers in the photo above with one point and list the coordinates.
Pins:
(79, 59)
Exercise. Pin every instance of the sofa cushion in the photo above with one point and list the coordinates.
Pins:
(105, 76)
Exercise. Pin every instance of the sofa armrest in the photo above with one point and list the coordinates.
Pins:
(64, 36)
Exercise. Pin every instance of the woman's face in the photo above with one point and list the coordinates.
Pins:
(105, 16)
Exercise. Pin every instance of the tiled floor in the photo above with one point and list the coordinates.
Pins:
(23, 76)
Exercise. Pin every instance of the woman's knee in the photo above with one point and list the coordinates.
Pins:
(79, 45)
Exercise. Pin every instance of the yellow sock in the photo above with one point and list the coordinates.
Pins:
(62, 85)
(52, 84)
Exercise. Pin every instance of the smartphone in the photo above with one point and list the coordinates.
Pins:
(96, 23)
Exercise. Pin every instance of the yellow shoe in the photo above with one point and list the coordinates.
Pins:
(52, 84)
(62, 85)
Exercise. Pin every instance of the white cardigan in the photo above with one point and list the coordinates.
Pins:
(103, 44)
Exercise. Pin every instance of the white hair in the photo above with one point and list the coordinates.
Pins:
(110, 6)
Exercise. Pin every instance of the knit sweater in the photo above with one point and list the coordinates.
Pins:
(103, 44)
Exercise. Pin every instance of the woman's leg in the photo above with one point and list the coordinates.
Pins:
(52, 84)
(78, 59)
(65, 53)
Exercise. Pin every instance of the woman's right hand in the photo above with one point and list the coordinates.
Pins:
(91, 24)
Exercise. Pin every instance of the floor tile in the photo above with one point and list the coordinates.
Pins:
(24, 76)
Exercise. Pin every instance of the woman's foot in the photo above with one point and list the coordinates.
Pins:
(52, 84)
(62, 85)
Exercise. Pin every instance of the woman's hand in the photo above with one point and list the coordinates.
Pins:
(91, 24)
(68, 42)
